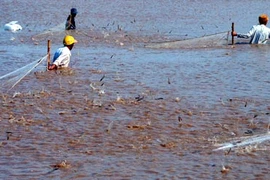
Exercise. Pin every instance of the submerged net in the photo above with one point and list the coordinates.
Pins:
(214, 40)
(11, 79)
(59, 29)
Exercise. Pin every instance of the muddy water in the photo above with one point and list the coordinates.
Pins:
(126, 112)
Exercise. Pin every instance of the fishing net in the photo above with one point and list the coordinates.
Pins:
(215, 40)
(57, 30)
(11, 79)
(244, 141)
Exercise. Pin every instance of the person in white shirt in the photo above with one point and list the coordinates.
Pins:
(258, 34)
(62, 55)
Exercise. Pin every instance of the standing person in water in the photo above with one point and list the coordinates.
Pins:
(70, 23)
(62, 55)
(258, 34)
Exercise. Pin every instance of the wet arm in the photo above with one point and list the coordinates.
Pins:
(247, 35)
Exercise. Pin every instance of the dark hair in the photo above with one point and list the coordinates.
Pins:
(73, 11)
(70, 46)
(263, 19)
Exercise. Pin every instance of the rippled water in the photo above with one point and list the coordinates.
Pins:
(115, 114)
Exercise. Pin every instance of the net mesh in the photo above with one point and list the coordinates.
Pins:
(57, 30)
(10, 80)
(215, 40)
(244, 141)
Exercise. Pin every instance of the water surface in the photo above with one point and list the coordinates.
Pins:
(115, 114)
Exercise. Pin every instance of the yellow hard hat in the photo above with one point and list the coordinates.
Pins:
(68, 40)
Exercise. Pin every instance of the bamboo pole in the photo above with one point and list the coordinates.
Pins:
(232, 34)
(49, 54)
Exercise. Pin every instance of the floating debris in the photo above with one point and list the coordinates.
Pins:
(62, 112)
(97, 102)
(101, 92)
(119, 99)
(136, 126)
(63, 164)
(177, 99)
(168, 145)
(88, 152)
(8, 134)
(3, 143)
(40, 110)
(187, 112)
(102, 78)
(180, 120)
(252, 124)
(110, 107)
(139, 98)
(21, 121)
(225, 169)
(16, 94)
(222, 102)
(249, 132)
(169, 82)
(228, 152)
(13, 26)
(109, 127)
(92, 86)
(11, 118)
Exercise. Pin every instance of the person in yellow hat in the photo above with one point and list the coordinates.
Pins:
(258, 34)
(62, 55)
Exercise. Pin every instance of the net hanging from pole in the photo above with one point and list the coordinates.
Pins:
(215, 40)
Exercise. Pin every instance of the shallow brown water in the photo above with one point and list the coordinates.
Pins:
(115, 114)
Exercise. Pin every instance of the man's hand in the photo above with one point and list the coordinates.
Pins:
(234, 33)
(52, 67)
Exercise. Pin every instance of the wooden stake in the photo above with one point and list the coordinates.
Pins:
(49, 55)
(232, 34)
